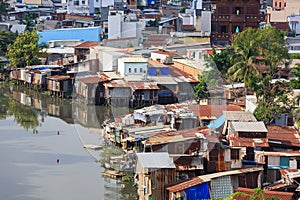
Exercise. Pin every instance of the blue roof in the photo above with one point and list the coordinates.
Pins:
(217, 123)
(84, 34)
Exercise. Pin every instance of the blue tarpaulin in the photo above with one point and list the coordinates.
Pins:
(198, 192)
(217, 123)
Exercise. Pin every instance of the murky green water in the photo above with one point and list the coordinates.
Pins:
(41, 149)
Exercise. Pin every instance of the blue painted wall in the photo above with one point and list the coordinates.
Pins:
(85, 34)
(164, 71)
(152, 71)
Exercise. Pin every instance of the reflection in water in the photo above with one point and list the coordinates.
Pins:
(32, 110)
(29, 108)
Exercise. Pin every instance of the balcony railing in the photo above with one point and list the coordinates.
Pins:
(238, 18)
(221, 36)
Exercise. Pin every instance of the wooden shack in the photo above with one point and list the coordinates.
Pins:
(60, 86)
(154, 171)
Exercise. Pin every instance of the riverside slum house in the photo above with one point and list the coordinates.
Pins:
(146, 82)
(36, 76)
(45, 77)
(195, 150)
(281, 160)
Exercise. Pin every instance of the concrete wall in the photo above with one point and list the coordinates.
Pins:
(114, 26)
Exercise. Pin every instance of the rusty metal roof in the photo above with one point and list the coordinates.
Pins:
(90, 79)
(284, 135)
(59, 77)
(168, 53)
(206, 178)
(286, 153)
(156, 64)
(249, 142)
(268, 194)
(184, 76)
(138, 85)
(168, 136)
(89, 44)
(211, 111)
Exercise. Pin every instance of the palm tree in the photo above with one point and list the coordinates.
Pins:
(244, 57)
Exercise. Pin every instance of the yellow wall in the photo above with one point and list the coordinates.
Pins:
(39, 2)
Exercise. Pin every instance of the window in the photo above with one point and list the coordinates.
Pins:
(83, 2)
(237, 10)
(141, 70)
(235, 154)
(223, 29)
(129, 70)
(135, 70)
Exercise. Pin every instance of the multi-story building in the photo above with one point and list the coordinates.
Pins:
(231, 16)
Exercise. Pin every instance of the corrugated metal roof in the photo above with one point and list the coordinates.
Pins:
(133, 85)
(206, 178)
(90, 79)
(283, 135)
(286, 153)
(200, 64)
(156, 64)
(181, 75)
(163, 80)
(158, 160)
(249, 142)
(211, 111)
(249, 127)
(239, 116)
(89, 44)
(59, 77)
(169, 53)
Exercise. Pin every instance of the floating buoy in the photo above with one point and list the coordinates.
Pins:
(58, 133)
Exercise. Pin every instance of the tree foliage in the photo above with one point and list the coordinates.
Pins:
(273, 99)
(3, 11)
(265, 49)
(25, 50)
(295, 83)
(222, 60)
(201, 91)
(6, 38)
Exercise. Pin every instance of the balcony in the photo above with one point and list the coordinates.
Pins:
(238, 18)
(255, 18)
(221, 36)
(221, 18)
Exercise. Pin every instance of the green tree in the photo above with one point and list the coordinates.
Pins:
(25, 50)
(6, 38)
(273, 98)
(3, 11)
(201, 91)
(222, 60)
(295, 83)
(245, 47)
(273, 48)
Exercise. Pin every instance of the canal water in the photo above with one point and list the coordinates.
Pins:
(41, 149)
